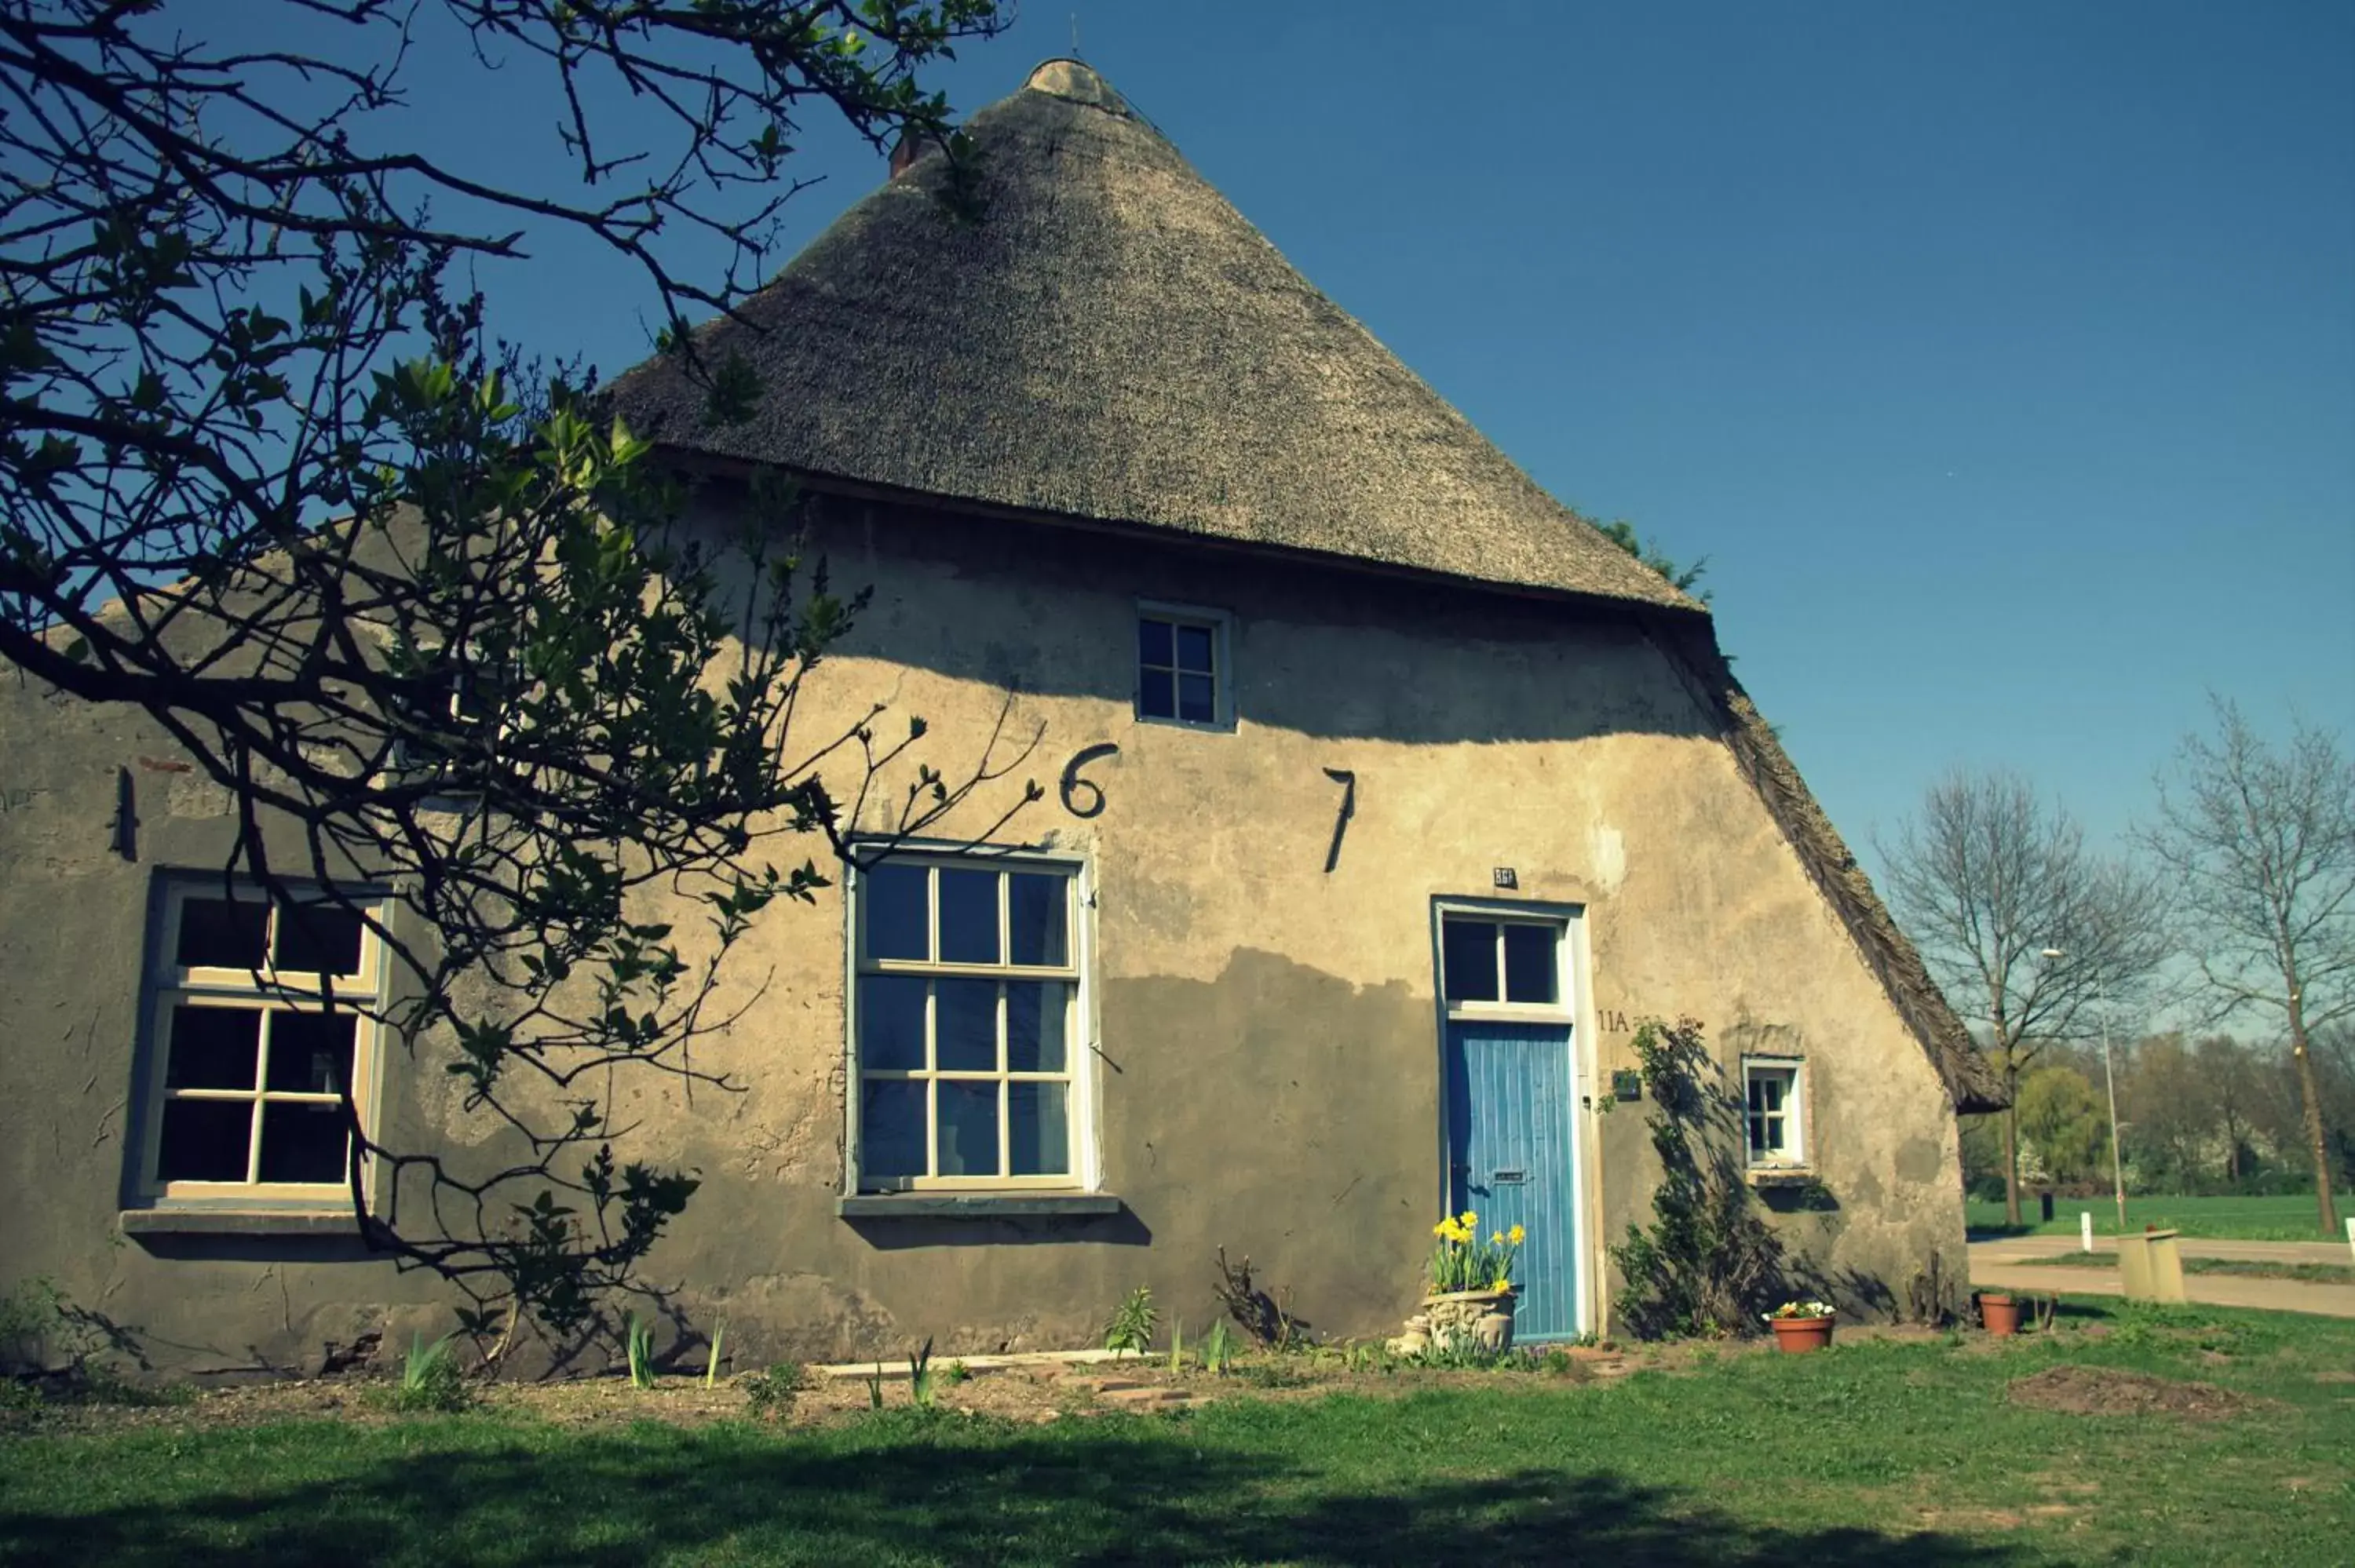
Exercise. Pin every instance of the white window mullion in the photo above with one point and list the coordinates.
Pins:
(931, 914)
(1004, 1051)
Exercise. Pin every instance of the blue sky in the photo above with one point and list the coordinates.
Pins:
(2001, 357)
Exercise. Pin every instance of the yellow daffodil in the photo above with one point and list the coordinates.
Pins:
(1502, 1283)
(1497, 1239)
(1516, 1236)
(1467, 1219)
(1441, 1229)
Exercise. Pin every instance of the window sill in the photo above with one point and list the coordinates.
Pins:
(975, 1205)
(202, 1222)
(1781, 1175)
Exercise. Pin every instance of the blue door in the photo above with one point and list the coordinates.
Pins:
(1509, 1158)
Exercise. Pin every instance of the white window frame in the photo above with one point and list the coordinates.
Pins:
(1792, 1155)
(1082, 1144)
(1561, 1010)
(169, 985)
(1219, 624)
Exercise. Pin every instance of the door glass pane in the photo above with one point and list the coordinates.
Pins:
(966, 1020)
(892, 1022)
(310, 1053)
(213, 1048)
(968, 1129)
(1036, 1118)
(318, 938)
(1468, 951)
(1529, 963)
(1194, 699)
(222, 933)
(893, 898)
(1037, 906)
(968, 916)
(303, 1143)
(1193, 649)
(205, 1140)
(1156, 697)
(1153, 643)
(1036, 1015)
(891, 1128)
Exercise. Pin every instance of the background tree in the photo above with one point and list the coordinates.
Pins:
(2259, 844)
(429, 618)
(2062, 1118)
(1983, 879)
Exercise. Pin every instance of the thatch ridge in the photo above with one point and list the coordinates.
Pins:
(1970, 1079)
(1113, 340)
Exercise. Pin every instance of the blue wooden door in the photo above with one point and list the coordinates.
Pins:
(1509, 1158)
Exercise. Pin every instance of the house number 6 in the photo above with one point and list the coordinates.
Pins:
(1074, 783)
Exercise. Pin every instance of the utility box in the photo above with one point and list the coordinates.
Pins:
(2150, 1268)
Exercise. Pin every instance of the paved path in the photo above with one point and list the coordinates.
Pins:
(2008, 1248)
(1997, 1265)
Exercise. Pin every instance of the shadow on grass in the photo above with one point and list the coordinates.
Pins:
(899, 1491)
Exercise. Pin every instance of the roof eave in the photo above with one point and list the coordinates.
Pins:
(1682, 610)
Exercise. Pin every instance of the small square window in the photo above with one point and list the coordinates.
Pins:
(1773, 1113)
(1182, 667)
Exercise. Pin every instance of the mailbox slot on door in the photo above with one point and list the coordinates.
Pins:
(1510, 1178)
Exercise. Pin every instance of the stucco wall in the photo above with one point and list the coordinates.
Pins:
(1267, 1031)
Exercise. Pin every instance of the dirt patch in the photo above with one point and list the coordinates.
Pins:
(1969, 1519)
(2335, 1375)
(2111, 1390)
(1037, 1392)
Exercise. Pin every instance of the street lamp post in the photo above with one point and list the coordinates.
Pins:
(2110, 1080)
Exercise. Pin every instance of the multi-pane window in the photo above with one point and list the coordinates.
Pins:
(966, 1020)
(1770, 1093)
(1180, 667)
(259, 1040)
(1512, 962)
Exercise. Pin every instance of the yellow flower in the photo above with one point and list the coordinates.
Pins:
(1467, 1219)
(1441, 1228)
(1516, 1236)
(1502, 1283)
(1497, 1239)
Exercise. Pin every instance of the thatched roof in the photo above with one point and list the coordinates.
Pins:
(1112, 340)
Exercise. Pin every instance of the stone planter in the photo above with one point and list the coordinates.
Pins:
(1485, 1317)
(1795, 1336)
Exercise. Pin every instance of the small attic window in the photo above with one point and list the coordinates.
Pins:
(1774, 1111)
(1182, 670)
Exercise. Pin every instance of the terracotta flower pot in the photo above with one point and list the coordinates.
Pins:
(1797, 1336)
(2000, 1313)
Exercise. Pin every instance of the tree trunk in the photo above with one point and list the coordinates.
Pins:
(2328, 1210)
(2011, 1155)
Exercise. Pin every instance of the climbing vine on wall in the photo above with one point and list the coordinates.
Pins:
(1708, 1263)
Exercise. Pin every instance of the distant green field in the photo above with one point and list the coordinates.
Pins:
(2244, 1219)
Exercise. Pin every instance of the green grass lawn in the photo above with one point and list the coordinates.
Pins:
(2304, 1273)
(2242, 1219)
(1875, 1452)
